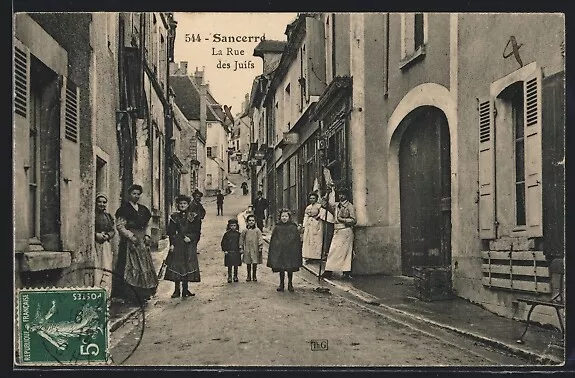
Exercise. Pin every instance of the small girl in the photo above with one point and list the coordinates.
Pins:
(285, 249)
(251, 245)
(231, 247)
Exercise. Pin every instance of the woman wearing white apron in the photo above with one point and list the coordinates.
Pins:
(313, 229)
(103, 262)
(341, 248)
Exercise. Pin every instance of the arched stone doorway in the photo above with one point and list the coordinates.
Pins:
(425, 189)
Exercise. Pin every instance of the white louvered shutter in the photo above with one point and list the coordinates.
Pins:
(69, 162)
(533, 155)
(487, 216)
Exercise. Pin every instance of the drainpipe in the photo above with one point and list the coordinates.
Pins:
(357, 119)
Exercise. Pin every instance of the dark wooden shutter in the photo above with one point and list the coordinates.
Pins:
(487, 216)
(533, 155)
(69, 162)
(21, 137)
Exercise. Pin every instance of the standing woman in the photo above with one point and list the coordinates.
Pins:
(313, 229)
(104, 261)
(182, 262)
(284, 253)
(341, 248)
(135, 264)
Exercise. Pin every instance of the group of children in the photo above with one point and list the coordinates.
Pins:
(284, 255)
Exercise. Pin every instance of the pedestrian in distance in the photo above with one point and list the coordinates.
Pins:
(245, 188)
(284, 253)
(104, 227)
(220, 202)
(197, 207)
(182, 262)
(251, 246)
(260, 210)
(137, 278)
(231, 247)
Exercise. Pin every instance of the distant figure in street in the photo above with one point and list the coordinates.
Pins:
(182, 262)
(104, 260)
(260, 210)
(231, 247)
(251, 245)
(341, 249)
(220, 202)
(197, 207)
(138, 280)
(245, 188)
(313, 229)
(285, 249)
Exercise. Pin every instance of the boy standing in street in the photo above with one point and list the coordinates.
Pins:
(220, 202)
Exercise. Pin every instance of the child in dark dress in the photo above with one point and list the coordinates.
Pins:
(285, 249)
(231, 247)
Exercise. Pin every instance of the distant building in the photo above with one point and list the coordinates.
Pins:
(239, 144)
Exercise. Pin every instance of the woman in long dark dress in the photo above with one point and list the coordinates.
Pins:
(138, 280)
(285, 249)
(182, 262)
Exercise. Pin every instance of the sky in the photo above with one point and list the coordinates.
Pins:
(228, 85)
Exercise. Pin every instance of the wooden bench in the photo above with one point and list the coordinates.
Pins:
(557, 302)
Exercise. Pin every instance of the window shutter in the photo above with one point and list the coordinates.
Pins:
(21, 99)
(69, 162)
(533, 155)
(487, 220)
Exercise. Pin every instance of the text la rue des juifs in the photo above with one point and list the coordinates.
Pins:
(236, 64)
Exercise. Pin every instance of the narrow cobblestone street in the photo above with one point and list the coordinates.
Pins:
(249, 323)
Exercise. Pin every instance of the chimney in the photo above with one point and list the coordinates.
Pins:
(199, 75)
(173, 68)
(203, 110)
(247, 102)
(184, 67)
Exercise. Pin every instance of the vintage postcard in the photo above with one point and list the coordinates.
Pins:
(307, 189)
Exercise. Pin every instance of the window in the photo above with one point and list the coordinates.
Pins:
(413, 36)
(101, 176)
(209, 152)
(519, 152)
(510, 197)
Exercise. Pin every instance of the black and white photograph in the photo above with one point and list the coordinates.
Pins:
(306, 189)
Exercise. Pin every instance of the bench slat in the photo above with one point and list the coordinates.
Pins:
(514, 255)
(541, 287)
(543, 303)
(540, 271)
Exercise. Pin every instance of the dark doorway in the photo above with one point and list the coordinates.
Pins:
(425, 191)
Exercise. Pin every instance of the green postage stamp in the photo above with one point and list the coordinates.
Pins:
(63, 326)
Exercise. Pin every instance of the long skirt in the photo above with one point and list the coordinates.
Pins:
(340, 251)
(312, 239)
(182, 262)
(139, 280)
(104, 263)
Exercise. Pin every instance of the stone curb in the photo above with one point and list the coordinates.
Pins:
(372, 300)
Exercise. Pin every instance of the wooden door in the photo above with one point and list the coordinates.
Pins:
(425, 192)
